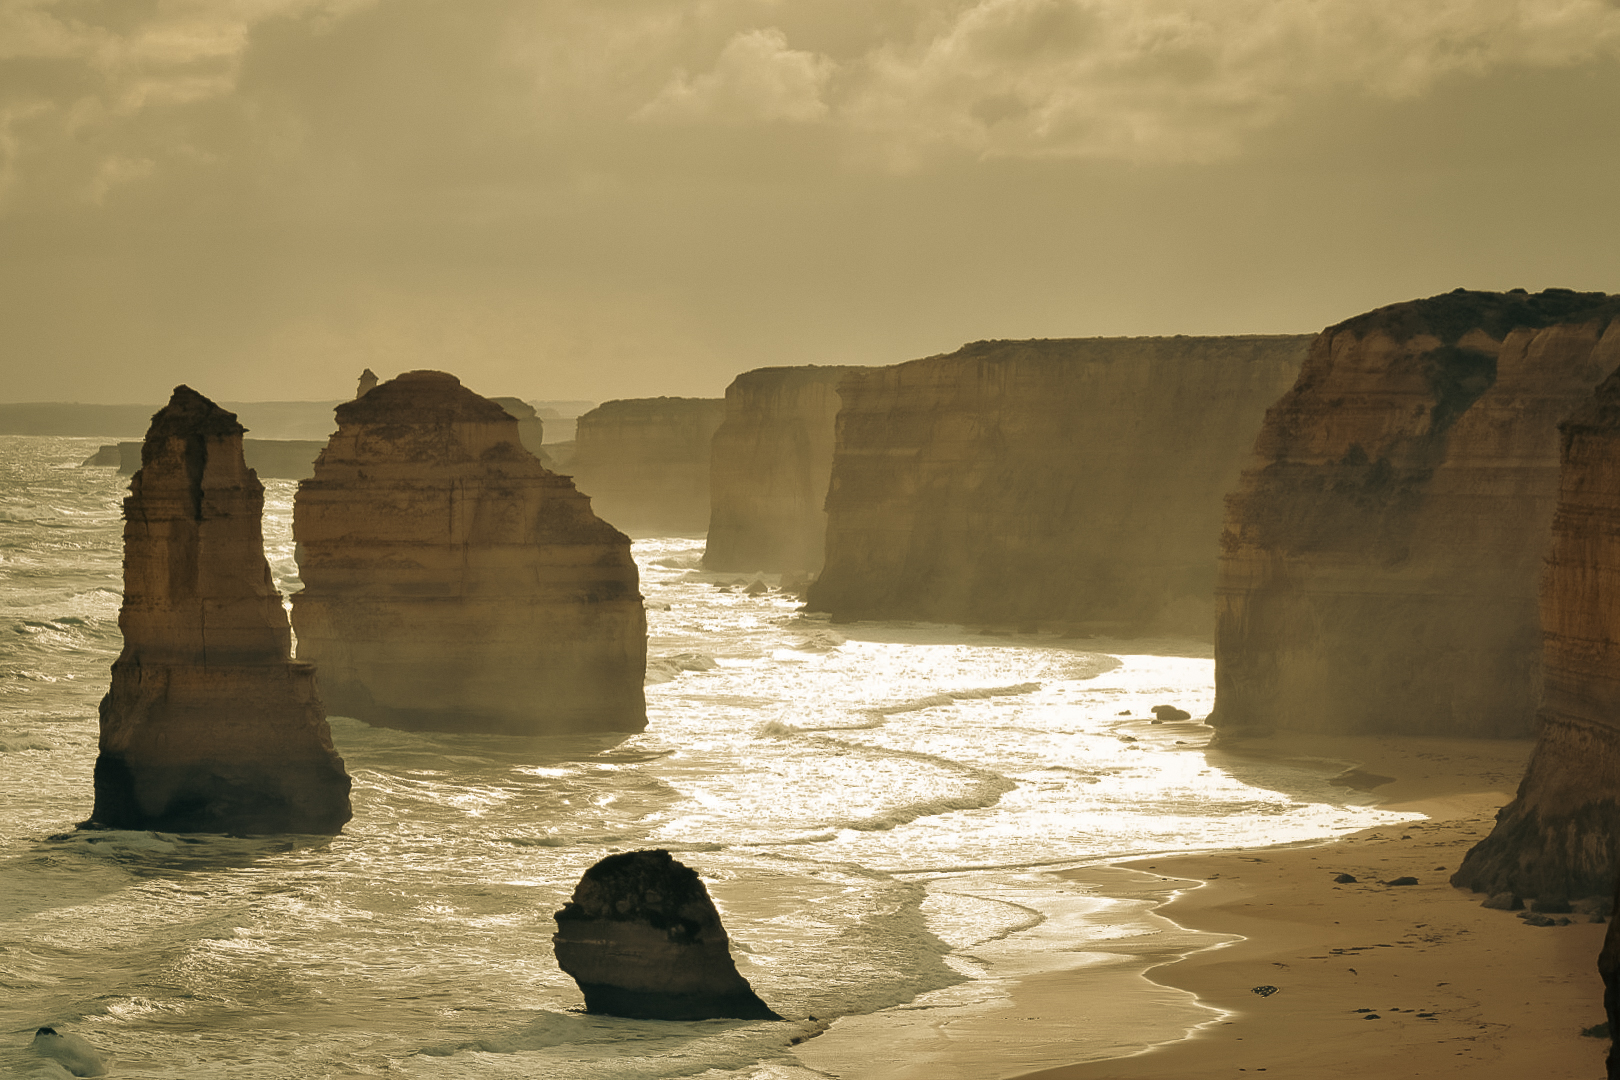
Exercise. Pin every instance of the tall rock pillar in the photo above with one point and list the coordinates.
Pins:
(452, 583)
(209, 725)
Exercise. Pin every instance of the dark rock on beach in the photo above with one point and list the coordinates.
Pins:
(643, 940)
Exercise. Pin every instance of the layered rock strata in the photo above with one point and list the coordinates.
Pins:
(772, 458)
(209, 726)
(452, 583)
(1560, 837)
(643, 940)
(645, 462)
(1050, 483)
(1380, 561)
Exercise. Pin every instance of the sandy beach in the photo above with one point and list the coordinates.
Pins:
(1322, 979)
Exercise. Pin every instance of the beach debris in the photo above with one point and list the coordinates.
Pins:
(1359, 780)
(643, 940)
(1403, 881)
(1535, 918)
(1597, 1031)
(1170, 712)
(1503, 901)
(1345, 879)
(1123, 712)
(1372, 1016)
(1263, 991)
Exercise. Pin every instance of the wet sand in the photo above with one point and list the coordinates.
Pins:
(1370, 979)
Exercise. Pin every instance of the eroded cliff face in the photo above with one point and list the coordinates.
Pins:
(1558, 839)
(645, 462)
(772, 458)
(1381, 560)
(452, 583)
(209, 726)
(1061, 483)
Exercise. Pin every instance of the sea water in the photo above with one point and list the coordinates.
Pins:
(878, 809)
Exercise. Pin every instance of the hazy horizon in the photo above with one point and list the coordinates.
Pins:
(631, 199)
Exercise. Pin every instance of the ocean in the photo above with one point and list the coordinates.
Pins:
(880, 810)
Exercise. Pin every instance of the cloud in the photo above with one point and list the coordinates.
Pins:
(84, 87)
(1174, 80)
(756, 78)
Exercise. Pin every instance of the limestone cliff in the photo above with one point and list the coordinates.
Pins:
(772, 457)
(1559, 837)
(645, 462)
(1380, 562)
(1066, 483)
(209, 725)
(452, 583)
(642, 939)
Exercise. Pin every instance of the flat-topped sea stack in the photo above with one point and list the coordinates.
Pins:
(1381, 561)
(643, 940)
(1045, 484)
(1560, 837)
(645, 462)
(209, 726)
(453, 583)
(772, 458)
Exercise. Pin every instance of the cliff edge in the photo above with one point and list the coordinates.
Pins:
(772, 459)
(1558, 838)
(1380, 562)
(1063, 483)
(645, 462)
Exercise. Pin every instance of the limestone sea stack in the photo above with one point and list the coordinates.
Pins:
(772, 458)
(643, 940)
(1381, 560)
(645, 462)
(1051, 483)
(1558, 839)
(209, 726)
(453, 583)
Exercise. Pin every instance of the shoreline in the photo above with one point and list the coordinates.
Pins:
(1369, 979)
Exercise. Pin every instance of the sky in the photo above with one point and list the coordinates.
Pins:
(592, 199)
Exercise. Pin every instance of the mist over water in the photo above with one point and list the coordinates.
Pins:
(875, 808)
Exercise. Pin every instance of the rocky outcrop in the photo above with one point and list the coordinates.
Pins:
(1560, 837)
(366, 383)
(209, 725)
(645, 462)
(1381, 560)
(452, 583)
(642, 939)
(1062, 483)
(531, 429)
(772, 457)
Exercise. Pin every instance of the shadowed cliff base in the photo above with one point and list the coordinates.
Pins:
(771, 462)
(209, 726)
(1380, 561)
(452, 583)
(1560, 836)
(1073, 483)
(644, 462)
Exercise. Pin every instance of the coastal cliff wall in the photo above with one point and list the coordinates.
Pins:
(772, 459)
(452, 583)
(1067, 483)
(1558, 839)
(1380, 562)
(209, 725)
(645, 462)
